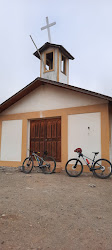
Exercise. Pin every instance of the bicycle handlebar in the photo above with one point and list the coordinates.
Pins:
(45, 152)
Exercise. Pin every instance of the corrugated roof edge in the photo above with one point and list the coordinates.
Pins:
(39, 81)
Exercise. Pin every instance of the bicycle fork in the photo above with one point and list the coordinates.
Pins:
(74, 166)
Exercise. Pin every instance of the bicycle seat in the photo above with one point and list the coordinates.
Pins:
(96, 153)
(78, 150)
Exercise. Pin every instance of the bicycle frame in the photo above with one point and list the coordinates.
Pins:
(39, 159)
(93, 161)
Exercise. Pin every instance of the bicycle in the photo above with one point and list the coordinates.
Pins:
(101, 168)
(46, 163)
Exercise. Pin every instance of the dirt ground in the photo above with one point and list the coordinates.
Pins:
(41, 212)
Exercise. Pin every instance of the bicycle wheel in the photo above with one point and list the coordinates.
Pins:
(102, 168)
(74, 167)
(27, 165)
(48, 165)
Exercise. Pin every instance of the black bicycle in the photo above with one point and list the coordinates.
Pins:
(101, 168)
(46, 163)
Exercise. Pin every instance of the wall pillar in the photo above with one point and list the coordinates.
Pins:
(0, 136)
(24, 140)
(64, 140)
(105, 132)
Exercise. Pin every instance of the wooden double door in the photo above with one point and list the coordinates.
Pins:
(45, 134)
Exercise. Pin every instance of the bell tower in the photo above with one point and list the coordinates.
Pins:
(54, 62)
(54, 59)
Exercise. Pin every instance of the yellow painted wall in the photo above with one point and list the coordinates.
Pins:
(103, 108)
(110, 122)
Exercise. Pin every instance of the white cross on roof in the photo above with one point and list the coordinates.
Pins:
(48, 28)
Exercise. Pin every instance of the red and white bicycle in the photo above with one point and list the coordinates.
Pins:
(101, 168)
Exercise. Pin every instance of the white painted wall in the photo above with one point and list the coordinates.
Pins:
(111, 137)
(50, 75)
(84, 131)
(11, 140)
(28, 137)
(48, 97)
(62, 77)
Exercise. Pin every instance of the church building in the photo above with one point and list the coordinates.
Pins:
(50, 114)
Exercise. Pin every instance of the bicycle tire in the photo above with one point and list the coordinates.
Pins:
(72, 168)
(27, 165)
(48, 165)
(106, 170)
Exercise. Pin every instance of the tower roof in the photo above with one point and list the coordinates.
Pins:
(49, 45)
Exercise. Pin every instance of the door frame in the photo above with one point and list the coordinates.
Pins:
(43, 119)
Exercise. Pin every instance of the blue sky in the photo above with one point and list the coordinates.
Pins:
(83, 27)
